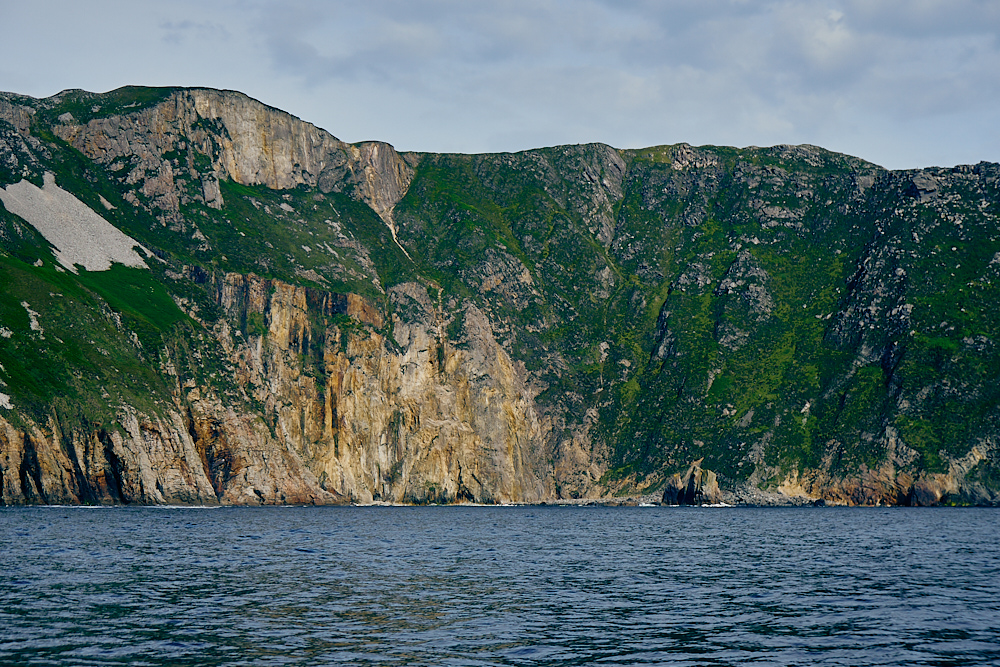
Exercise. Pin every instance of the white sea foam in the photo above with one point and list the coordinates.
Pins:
(182, 507)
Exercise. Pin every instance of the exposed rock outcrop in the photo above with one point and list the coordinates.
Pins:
(696, 487)
(560, 323)
(894, 482)
(17, 115)
(246, 141)
(421, 418)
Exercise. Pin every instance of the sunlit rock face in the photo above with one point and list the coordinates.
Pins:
(418, 420)
(207, 300)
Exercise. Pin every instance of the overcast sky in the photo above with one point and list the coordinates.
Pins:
(903, 83)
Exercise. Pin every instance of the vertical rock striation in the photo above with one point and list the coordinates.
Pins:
(246, 141)
(326, 322)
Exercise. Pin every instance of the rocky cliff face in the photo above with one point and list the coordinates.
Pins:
(420, 418)
(695, 487)
(320, 322)
(412, 415)
(244, 140)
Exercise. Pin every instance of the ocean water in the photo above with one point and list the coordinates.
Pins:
(499, 586)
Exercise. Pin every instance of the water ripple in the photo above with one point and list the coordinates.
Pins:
(499, 586)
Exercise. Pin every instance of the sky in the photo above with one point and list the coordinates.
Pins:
(901, 83)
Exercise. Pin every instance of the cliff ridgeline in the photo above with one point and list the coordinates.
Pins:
(207, 300)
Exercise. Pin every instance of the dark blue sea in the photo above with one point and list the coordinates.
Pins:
(499, 586)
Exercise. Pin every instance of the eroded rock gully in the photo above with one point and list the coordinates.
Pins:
(347, 415)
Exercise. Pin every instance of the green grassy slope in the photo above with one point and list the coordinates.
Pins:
(768, 309)
(751, 318)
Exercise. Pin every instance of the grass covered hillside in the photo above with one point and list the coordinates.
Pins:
(580, 321)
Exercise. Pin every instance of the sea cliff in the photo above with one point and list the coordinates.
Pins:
(284, 317)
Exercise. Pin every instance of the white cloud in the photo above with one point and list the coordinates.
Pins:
(899, 82)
